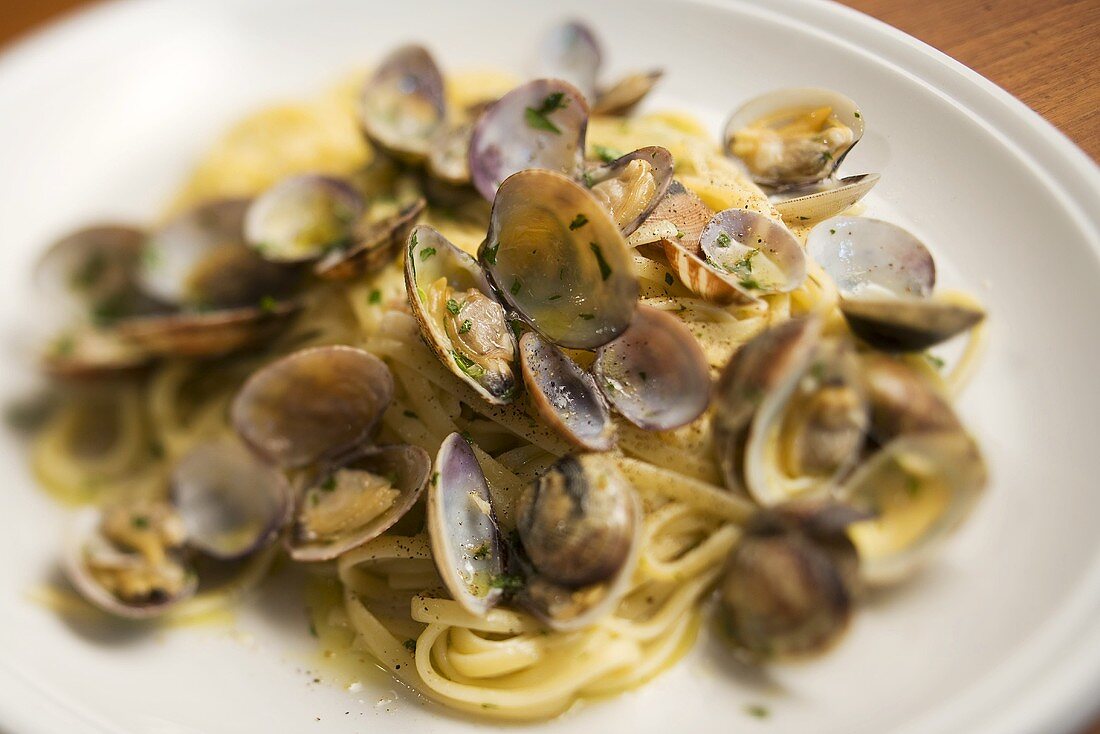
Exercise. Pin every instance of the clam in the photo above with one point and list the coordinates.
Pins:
(630, 187)
(788, 588)
(680, 216)
(655, 374)
(459, 316)
(357, 500)
(559, 261)
(919, 488)
(449, 153)
(579, 526)
(88, 353)
(313, 404)
(760, 254)
(373, 245)
(885, 278)
(231, 503)
(565, 395)
(792, 137)
(462, 528)
(540, 124)
(92, 269)
(791, 414)
(903, 400)
(624, 95)
(823, 199)
(130, 560)
(572, 52)
(402, 105)
(207, 333)
(199, 260)
(302, 218)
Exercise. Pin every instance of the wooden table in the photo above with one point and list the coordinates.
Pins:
(1046, 52)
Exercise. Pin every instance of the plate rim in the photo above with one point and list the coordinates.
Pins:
(1064, 698)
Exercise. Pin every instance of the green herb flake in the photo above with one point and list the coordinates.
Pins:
(832, 231)
(554, 297)
(578, 221)
(517, 286)
(669, 279)
(912, 486)
(435, 478)
(680, 234)
(410, 414)
(757, 711)
(140, 522)
(644, 376)
(589, 180)
(329, 484)
(375, 297)
(465, 327)
(410, 645)
(749, 284)
(606, 153)
(481, 552)
(453, 307)
(268, 304)
(426, 253)
(468, 366)
(90, 271)
(723, 239)
(826, 157)
(605, 269)
(506, 581)
(588, 316)
(490, 254)
(935, 361)
(537, 117)
(856, 113)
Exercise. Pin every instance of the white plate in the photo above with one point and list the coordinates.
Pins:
(103, 114)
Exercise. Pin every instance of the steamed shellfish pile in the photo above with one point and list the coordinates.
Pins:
(852, 464)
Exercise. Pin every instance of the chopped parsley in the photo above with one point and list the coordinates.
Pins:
(832, 231)
(537, 117)
(668, 279)
(90, 271)
(435, 478)
(507, 581)
(606, 153)
(588, 316)
(410, 645)
(605, 269)
(491, 254)
(466, 326)
(826, 157)
(268, 304)
(329, 484)
(375, 296)
(140, 522)
(856, 113)
(410, 414)
(757, 711)
(912, 486)
(588, 178)
(426, 253)
(749, 284)
(679, 234)
(935, 361)
(452, 306)
(554, 297)
(467, 365)
(723, 239)
(516, 287)
(313, 630)
(480, 552)
(578, 221)
(744, 265)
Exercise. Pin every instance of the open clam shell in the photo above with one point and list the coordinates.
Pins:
(680, 216)
(791, 137)
(199, 260)
(565, 395)
(559, 261)
(313, 404)
(919, 487)
(791, 414)
(90, 268)
(760, 254)
(885, 276)
(788, 590)
(357, 500)
(571, 51)
(231, 503)
(464, 538)
(580, 527)
(630, 187)
(121, 580)
(824, 199)
(374, 245)
(624, 95)
(89, 354)
(402, 106)
(655, 374)
(449, 153)
(459, 316)
(903, 400)
(206, 334)
(541, 124)
(302, 218)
